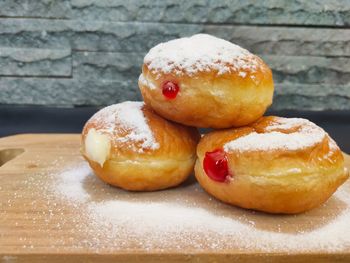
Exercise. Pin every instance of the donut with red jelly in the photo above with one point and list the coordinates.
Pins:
(204, 81)
(129, 146)
(275, 165)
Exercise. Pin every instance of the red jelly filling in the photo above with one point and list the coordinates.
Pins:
(170, 89)
(215, 165)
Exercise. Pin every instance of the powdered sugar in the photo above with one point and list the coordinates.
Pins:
(200, 53)
(288, 123)
(242, 74)
(172, 220)
(276, 136)
(186, 218)
(129, 116)
(273, 141)
(146, 82)
(70, 183)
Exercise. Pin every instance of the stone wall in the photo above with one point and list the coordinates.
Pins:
(89, 52)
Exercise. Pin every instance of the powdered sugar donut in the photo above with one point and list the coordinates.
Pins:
(129, 146)
(205, 81)
(276, 165)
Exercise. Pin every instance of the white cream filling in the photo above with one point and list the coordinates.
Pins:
(97, 146)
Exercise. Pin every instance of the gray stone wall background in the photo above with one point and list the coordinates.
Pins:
(89, 52)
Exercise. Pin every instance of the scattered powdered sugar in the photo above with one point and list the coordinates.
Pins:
(157, 216)
(199, 53)
(70, 183)
(146, 82)
(129, 116)
(307, 134)
(113, 219)
(170, 219)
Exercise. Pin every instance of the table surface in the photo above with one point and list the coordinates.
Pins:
(53, 208)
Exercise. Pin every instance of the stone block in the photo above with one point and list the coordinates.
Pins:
(65, 92)
(140, 37)
(319, 12)
(106, 65)
(35, 62)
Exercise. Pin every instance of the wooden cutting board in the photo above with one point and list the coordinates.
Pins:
(53, 209)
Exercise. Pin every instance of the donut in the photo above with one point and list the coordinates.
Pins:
(129, 146)
(204, 81)
(275, 165)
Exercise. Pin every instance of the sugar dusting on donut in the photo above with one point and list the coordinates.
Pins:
(200, 53)
(277, 136)
(146, 82)
(129, 116)
(288, 123)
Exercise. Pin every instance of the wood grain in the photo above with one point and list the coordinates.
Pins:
(36, 225)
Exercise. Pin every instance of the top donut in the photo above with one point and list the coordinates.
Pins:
(200, 53)
(205, 81)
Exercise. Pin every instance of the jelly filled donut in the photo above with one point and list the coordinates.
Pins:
(205, 81)
(129, 146)
(276, 165)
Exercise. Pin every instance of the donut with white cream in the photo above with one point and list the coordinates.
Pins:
(130, 146)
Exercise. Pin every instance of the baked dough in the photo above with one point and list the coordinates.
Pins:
(129, 146)
(276, 165)
(204, 81)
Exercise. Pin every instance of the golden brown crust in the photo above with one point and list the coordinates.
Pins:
(147, 174)
(209, 98)
(278, 180)
(173, 138)
(143, 169)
